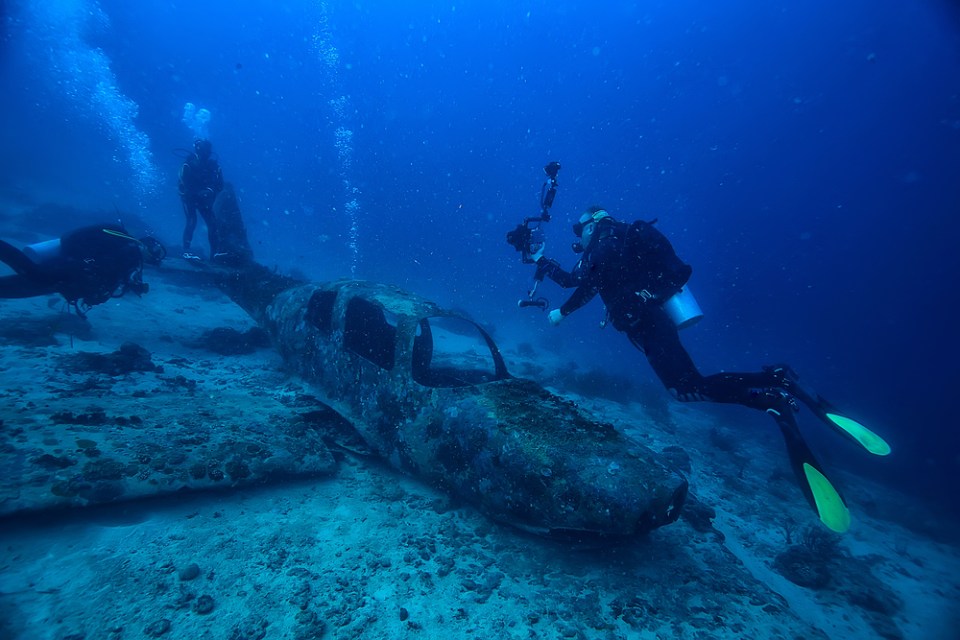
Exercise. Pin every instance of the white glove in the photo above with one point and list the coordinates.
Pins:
(555, 317)
(539, 253)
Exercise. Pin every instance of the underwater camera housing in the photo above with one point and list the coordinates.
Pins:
(527, 237)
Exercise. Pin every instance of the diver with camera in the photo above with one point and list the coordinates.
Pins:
(643, 284)
(87, 266)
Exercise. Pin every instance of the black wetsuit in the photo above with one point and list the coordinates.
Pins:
(635, 269)
(92, 265)
(200, 181)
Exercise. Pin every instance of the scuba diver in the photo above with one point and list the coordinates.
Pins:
(200, 181)
(87, 266)
(636, 272)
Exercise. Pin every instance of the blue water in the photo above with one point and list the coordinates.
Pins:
(803, 157)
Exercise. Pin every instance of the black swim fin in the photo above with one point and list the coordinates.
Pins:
(828, 413)
(29, 280)
(825, 499)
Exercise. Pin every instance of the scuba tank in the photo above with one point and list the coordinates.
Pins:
(683, 309)
(41, 252)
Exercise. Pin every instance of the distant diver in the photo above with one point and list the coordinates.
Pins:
(642, 282)
(87, 266)
(201, 181)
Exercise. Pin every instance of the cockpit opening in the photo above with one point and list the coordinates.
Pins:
(370, 332)
(453, 352)
(320, 310)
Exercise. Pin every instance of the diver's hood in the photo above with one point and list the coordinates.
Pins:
(587, 227)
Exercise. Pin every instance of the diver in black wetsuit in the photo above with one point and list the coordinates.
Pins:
(87, 266)
(636, 271)
(201, 180)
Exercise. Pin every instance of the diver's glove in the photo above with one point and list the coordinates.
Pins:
(555, 317)
(545, 267)
(538, 254)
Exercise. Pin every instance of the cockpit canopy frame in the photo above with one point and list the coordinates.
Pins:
(392, 328)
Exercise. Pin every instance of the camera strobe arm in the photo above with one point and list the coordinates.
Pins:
(549, 190)
(528, 237)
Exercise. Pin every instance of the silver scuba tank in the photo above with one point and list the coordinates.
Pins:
(41, 252)
(683, 309)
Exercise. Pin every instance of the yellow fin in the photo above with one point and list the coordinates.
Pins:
(868, 439)
(833, 513)
(119, 234)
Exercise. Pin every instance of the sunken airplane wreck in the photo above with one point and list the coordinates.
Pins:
(428, 390)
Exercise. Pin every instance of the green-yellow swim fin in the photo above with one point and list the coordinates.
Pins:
(867, 439)
(830, 507)
(828, 413)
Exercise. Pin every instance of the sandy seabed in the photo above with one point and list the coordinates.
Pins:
(198, 537)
